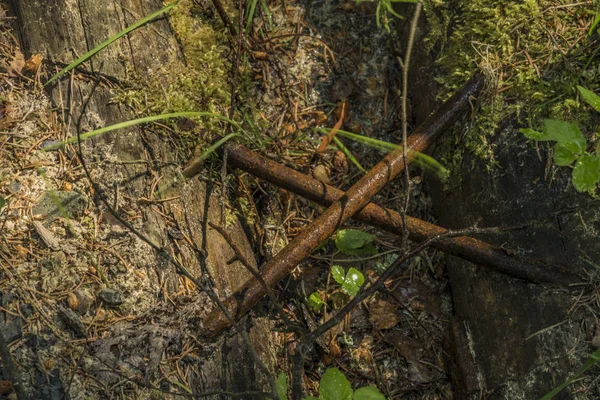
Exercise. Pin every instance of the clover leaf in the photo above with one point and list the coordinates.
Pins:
(350, 282)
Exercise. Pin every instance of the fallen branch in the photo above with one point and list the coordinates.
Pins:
(470, 249)
(342, 209)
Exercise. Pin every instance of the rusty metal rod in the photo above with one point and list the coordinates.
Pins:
(470, 249)
(358, 196)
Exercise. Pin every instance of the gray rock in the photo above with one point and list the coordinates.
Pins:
(111, 297)
(72, 203)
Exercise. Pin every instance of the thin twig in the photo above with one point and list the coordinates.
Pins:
(405, 68)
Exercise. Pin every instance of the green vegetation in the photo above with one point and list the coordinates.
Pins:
(421, 159)
(589, 363)
(385, 9)
(533, 52)
(333, 386)
(571, 146)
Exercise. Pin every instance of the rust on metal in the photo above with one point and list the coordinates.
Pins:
(470, 249)
(343, 208)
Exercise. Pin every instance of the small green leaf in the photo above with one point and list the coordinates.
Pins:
(586, 173)
(355, 242)
(353, 281)
(2, 202)
(282, 387)
(533, 134)
(335, 386)
(564, 132)
(564, 154)
(368, 393)
(590, 97)
(315, 301)
(338, 274)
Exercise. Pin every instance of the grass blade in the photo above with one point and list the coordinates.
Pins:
(101, 46)
(138, 121)
(250, 16)
(349, 154)
(421, 159)
(594, 358)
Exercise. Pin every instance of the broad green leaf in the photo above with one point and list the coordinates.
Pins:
(335, 386)
(586, 173)
(533, 134)
(353, 281)
(338, 274)
(282, 387)
(563, 154)
(590, 97)
(2, 202)
(315, 301)
(368, 393)
(355, 242)
(564, 132)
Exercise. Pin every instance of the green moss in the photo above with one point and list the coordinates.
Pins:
(533, 54)
(198, 83)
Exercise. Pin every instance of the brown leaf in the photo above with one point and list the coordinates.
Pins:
(5, 387)
(382, 314)
(33, 63)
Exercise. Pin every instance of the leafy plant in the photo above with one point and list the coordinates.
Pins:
(333, 386)
(354, 242)
(384, 9)
(350, 281)
(571, 146)
(315, 301)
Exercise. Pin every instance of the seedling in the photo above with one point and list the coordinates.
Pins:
(333, 386)
(571, 146)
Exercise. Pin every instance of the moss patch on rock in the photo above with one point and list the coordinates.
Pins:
(534, 53)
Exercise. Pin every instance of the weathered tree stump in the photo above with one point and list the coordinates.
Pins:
(510, 339)
(62, 30)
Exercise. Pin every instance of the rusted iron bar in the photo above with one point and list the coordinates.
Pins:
(345, 207)
(470, 249)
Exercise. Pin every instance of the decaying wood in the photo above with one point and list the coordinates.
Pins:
(62, 30)
(500, 340)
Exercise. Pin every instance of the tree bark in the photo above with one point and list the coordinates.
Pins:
(62, 30)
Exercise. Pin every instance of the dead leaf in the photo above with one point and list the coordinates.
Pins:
(418, 297)
(16, 65)
(5, 387)
(382, 314)
(33, 63)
